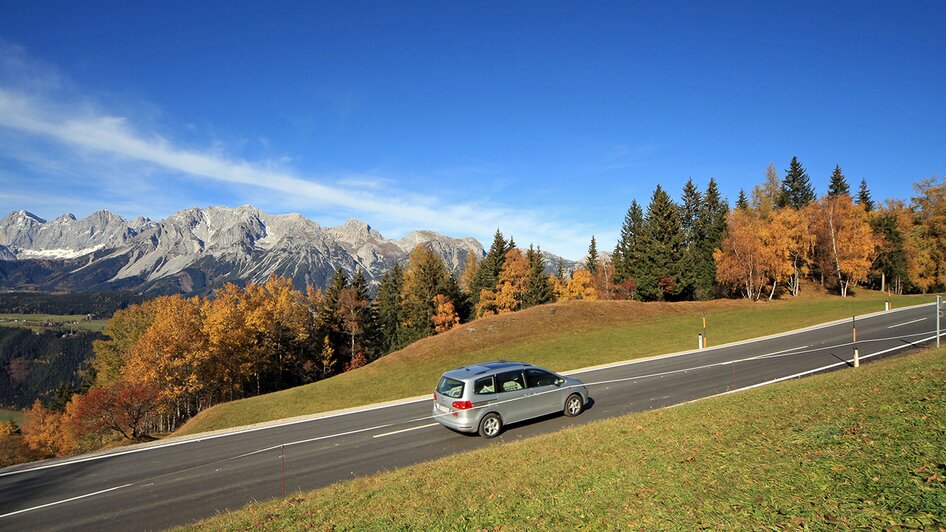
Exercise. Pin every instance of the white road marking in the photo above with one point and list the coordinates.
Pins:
(906, 323)
(47, 505)
(767, 355)
(404, 430)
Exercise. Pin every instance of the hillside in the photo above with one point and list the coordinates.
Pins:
(561, 336)
(848, 449)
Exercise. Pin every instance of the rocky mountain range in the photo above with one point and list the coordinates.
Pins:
(198, 250)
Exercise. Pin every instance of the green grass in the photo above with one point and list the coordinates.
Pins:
(11, 415)
(846, 450)
(561, 337)
(41, 322)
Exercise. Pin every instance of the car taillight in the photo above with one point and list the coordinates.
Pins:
(435, 396)
(462, 405)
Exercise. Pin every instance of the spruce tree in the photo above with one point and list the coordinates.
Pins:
(838, 184)
(796, 187)
(661, 250)
(742, 202)
(426, 276)
(592, 261)
(712, 224)
(690, 204)
(538, 289)
(329, 323)
(487, 273)
(627, 249)
(387, 306)
(863, 197)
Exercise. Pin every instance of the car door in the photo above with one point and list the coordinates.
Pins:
(511, 392)
(542, 396)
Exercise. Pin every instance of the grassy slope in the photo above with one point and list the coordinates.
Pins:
(561, 337)
(851, 449)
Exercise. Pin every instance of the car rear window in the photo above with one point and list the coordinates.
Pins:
(450, 387)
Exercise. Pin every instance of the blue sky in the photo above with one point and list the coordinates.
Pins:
(542, 119)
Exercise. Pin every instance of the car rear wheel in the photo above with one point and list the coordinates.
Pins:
(491, 425)
(573, 405)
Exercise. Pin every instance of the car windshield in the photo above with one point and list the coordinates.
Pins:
(450, 387)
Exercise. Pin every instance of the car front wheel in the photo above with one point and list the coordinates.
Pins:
(491, 425)
(573, 405)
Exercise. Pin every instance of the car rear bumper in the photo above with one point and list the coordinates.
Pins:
(459, 422)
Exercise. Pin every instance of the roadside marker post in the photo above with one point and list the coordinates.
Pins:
(282, 459)
(703, 342)
(700, 341)
(857, 359)
(853, 328)
(939, 315)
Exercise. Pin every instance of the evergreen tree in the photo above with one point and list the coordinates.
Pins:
(373, 340)
(388, 309)
(712, 226)
(627, 252)
(796, 187)
(538, 288)
(742, 202)
(560, 270)
(426, 277)
(838, 184)
(863, 197)
(487, 273)
(692, 235)
(592, 260)
(329, 323)
(661, 250)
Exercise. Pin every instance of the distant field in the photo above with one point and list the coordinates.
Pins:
(561, 336)
(852, 449)
(15, 415)
(39, 322)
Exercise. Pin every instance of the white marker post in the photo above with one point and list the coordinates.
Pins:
(857, 359)
(700, 341)
(939, 313)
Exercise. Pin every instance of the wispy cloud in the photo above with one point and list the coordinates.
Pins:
(72, 128)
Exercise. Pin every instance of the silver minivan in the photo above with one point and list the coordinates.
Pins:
(485, 397)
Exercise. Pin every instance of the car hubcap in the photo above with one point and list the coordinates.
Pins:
(574, 406)
(492, 426)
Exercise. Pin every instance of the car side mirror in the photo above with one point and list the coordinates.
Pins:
(559, 382)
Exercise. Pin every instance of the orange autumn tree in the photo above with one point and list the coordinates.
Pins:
(790, 244)
(445, 316)
(580, 286)
(846, 240)
(172, 355)
(739, 261)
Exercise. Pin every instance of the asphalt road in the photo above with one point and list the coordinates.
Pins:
(174, 484)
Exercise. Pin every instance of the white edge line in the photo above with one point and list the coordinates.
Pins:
(906, 323)
(809, 372)
(63, 501)
(405, 430)
(425, 397)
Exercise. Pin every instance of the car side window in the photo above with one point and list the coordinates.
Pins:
(536, 378)
(484, 386)
(510, 381)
